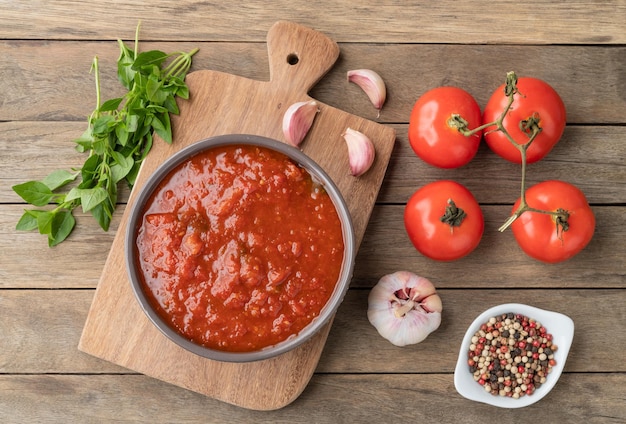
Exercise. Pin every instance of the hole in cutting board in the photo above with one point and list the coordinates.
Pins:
(293, 59)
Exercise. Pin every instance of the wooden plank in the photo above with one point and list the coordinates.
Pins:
(497, 261)
(445, 21)
(28, 262)
(591, 157)
(40, 332)
(78, 262)
(333, 399)
(53, 79)
(43, 340)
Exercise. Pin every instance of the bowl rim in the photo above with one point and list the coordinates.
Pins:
(317, 173)
(559, 325)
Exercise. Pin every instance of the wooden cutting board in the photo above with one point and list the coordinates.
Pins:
(116, 328)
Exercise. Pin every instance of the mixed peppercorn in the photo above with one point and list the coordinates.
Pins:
(511, 355)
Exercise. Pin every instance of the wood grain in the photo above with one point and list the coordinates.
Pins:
(60, 86)
(497, 261)
(589, 156)
(542, 22)
(117, 330)
(329, 398)
(44, 341)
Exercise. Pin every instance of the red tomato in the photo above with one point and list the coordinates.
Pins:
(537, 233)
(433, 139)
(535, 97)
(433, 237)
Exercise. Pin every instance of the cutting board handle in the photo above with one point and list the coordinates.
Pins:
(299, 56)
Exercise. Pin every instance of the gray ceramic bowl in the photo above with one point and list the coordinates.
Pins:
(317, 173)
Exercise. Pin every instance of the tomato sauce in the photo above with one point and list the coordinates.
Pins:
(239, 248)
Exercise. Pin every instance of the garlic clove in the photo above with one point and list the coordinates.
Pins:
(404, 308)
(361, 151)
(432, 304)
(372, 84)
(297, 121)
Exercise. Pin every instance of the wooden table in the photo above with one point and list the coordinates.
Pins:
(46, 92)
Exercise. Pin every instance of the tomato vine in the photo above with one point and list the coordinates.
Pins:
(531, 128)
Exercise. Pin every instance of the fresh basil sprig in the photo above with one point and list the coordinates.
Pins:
(119, 135)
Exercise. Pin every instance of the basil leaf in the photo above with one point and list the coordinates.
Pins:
(154, 90)
(85, 140)
(171, 105)
(132, 122)
(62, 225)
(83, 145)
(88, 171)
(121, 132)
(162, 127)
(131, 177)
(149, 58)
(121, 167)
(103, 215)
(183, 92)
(44, 222)
(28, 221)
(125, 72)
(59, 178)
(89, 197)
(110, 105)
(157, 109)
(103, 124)
(34, 192)
(93, 197)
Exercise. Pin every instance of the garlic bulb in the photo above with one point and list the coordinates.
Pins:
(404, 308)
(372, 84)
(361, 151)
(297, 121)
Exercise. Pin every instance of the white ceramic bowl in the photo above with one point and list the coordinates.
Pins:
(560, 326)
